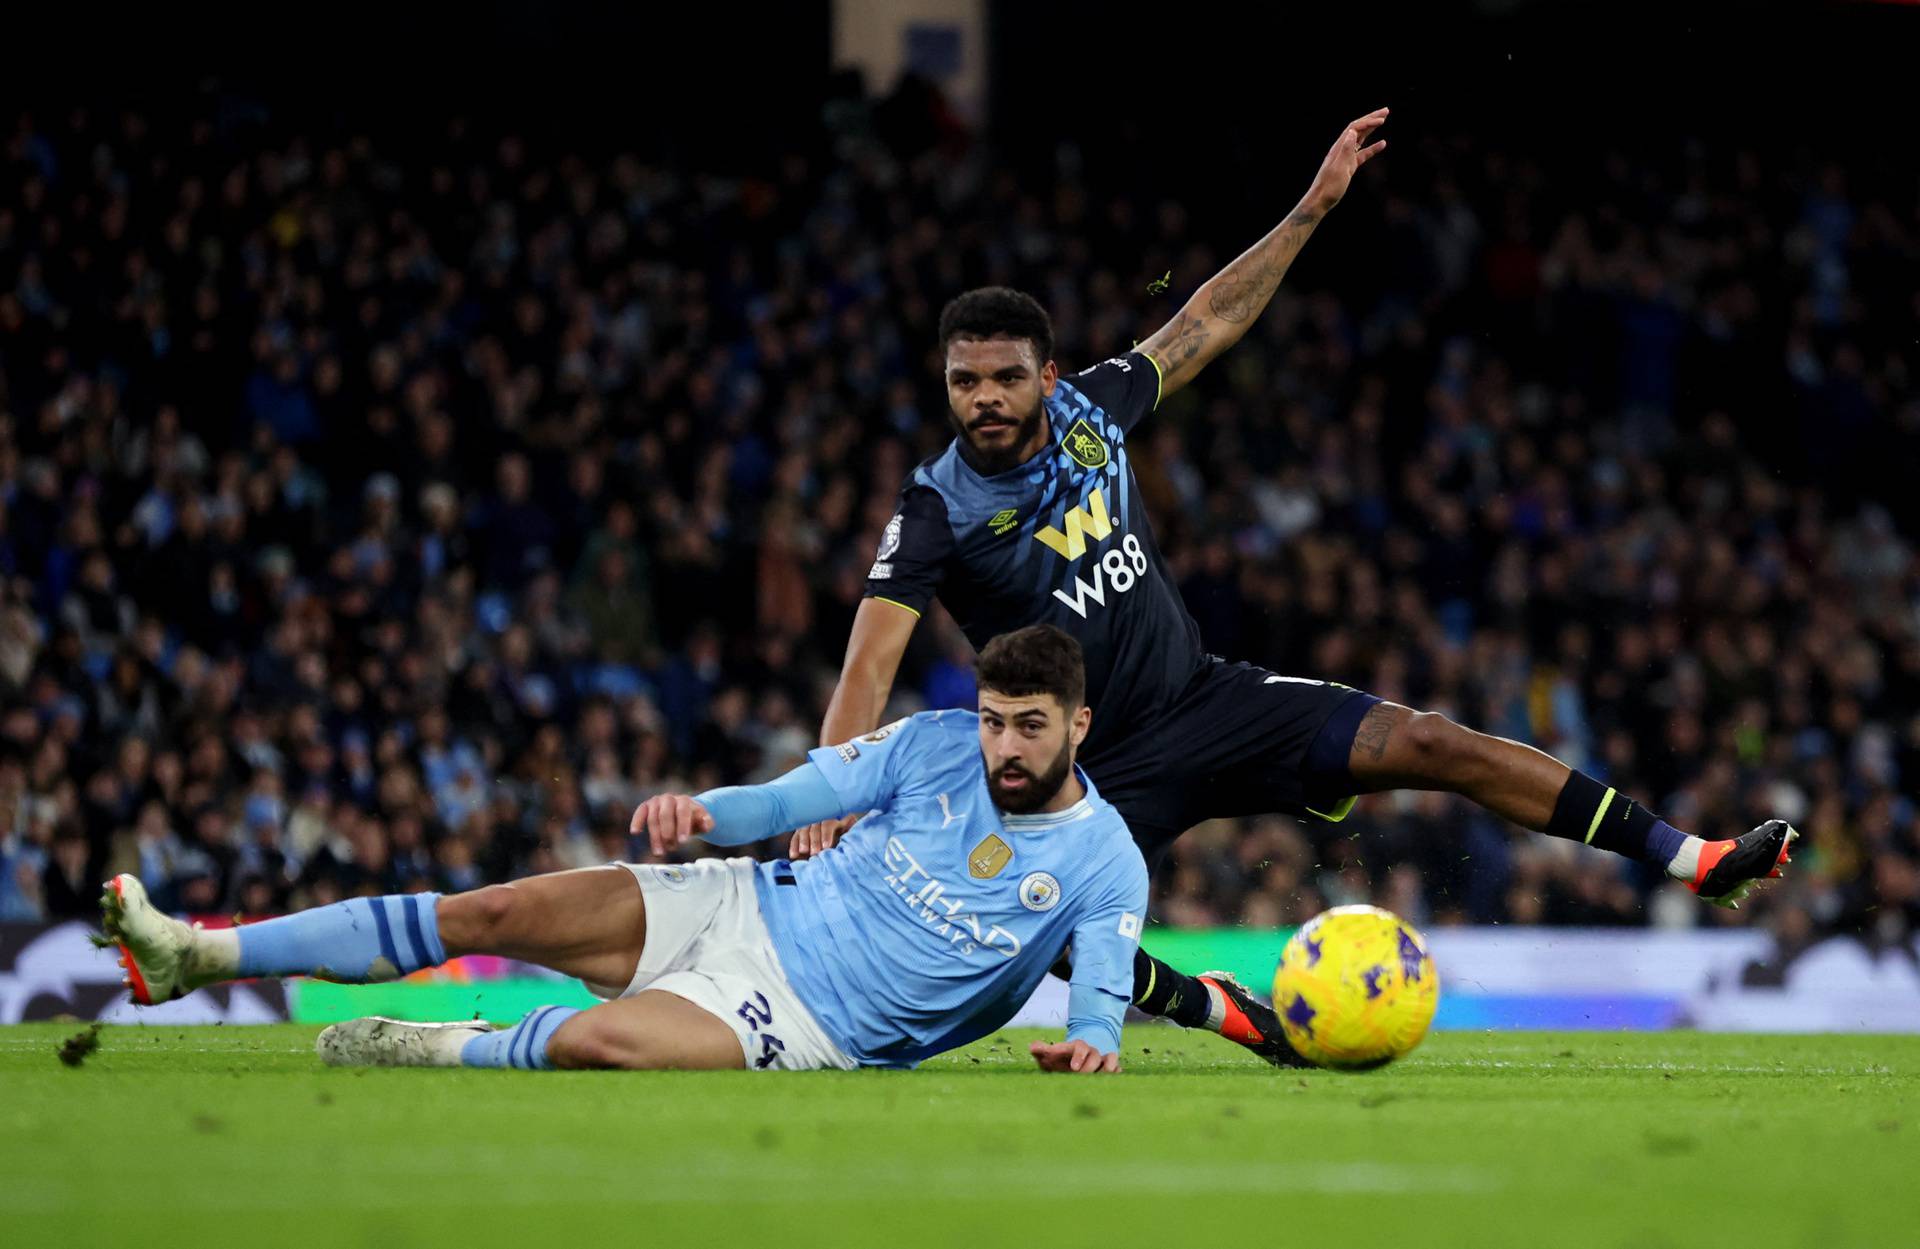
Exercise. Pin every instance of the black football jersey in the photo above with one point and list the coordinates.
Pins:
(1063, 539)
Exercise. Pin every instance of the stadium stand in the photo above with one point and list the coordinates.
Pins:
(381, 524)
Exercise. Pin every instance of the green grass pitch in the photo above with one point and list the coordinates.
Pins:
(237, 1136)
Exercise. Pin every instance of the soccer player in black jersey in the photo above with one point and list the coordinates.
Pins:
(1031, 515)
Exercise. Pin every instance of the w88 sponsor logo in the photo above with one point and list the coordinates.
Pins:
(1117, 570)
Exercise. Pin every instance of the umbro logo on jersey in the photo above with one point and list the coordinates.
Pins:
(1002, 521)
(1083, 444)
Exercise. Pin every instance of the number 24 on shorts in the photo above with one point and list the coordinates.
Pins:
(759, 1013)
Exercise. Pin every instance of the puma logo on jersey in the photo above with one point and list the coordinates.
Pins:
(947, 813)
(1082, 523)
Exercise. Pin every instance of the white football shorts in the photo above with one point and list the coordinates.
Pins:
(707, 943)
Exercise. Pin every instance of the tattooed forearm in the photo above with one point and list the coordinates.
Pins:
(1370, 739)
(1241, 290)
(1233, 298)
(1185, 337)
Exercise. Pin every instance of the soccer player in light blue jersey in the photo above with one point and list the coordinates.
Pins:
(927, 927)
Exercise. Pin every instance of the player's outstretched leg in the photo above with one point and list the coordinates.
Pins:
(359, 941)
(1244, 1019)
(362, 940)
(1726, 871)
(382, 1042)
(1215, 1001)
(1395, 747)
(162, 957)
(651, 1031)
(589, 923)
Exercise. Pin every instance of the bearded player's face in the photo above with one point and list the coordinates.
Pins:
(995, 389)
(1027, 744)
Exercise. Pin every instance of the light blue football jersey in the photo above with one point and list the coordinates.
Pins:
(934, 919)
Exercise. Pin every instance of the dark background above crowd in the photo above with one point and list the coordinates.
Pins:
(405, 471)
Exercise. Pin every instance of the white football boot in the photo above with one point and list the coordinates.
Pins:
(381, 1042)
(163, 956)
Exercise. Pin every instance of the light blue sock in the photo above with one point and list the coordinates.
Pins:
(523, 1046)
(358, 941)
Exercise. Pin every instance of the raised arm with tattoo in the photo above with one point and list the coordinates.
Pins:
(1222, 309)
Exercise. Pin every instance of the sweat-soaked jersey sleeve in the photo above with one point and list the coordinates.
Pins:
(1127, 387)
(912, 558)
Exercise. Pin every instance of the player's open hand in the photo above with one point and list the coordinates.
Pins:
(669, 819)
(1073, 1057)
(1350, 151)
(814, 838)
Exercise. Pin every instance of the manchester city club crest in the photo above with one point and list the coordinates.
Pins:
(1039, 891)
(1084, 445)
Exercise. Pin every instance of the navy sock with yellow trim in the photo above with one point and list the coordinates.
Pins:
(1598, 815)
(1160, 990)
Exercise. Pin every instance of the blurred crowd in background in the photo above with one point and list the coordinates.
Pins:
(384, 520)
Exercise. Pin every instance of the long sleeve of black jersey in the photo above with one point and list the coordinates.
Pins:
(1127, 387)
(912, 559)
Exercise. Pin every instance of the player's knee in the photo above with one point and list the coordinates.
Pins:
(589, 1042)
(473, 922)
(580, 1044)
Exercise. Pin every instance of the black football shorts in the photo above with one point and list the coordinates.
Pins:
(1239, 740)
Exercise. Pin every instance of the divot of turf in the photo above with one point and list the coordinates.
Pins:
(77, 1048)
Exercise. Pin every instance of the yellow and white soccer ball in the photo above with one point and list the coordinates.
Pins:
(1356, 988)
